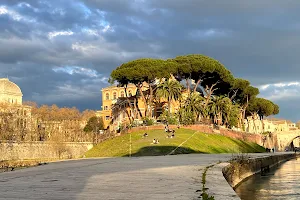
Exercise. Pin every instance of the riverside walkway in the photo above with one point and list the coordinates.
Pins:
(160, 177)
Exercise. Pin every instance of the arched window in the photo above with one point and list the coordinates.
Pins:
(122, 93)
(115, 95)
(107, 96)
(130, 93)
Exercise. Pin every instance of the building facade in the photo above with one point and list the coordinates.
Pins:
(120, 104)
(255, 125)
(110, 96)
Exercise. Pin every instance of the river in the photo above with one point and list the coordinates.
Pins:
(282, 182)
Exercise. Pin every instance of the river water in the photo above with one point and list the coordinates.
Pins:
(282, 182)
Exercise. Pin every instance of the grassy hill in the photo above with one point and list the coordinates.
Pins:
(198, 143)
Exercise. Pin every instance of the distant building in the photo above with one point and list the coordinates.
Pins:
(255, 125)
(10, 92)
(11, 107)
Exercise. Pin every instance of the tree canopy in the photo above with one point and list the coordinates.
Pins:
(212, 90)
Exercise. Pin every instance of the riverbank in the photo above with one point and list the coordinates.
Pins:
(223, 177)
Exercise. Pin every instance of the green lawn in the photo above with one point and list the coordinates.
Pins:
(199, 143)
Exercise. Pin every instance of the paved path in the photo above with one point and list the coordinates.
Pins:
(162, 177)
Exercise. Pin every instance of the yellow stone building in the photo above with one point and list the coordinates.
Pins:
(116, 110)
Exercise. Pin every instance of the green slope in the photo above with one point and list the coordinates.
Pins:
(198, 143)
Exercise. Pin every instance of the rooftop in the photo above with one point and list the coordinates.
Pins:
(8, 87)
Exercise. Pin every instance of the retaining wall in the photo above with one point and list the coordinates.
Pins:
(42, 150)
(222, 178)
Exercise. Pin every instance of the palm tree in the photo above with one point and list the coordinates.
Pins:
(220, 108)
(212, 110)
(170, 90)
(194, 104)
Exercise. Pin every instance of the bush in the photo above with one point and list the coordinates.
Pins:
(148, 121)
(187, 118)
(171, 119)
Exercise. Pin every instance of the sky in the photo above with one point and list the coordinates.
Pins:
(63, 51)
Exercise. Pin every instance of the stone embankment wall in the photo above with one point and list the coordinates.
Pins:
(241, 169)
(250, 137)
(42, 150)
(222, 178)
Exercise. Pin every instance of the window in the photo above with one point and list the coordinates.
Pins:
(105, 107)
(25, 112)
(122, 94)
(130, 94)
(107, 96)
(107, 118)
(115, 95)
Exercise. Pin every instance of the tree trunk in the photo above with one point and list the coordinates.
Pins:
(135, 108)
(244, 111)
(197, 84)
(150, 99)
(169, 106)
(139, 86)
(253, 118)
(209, 91)
(129, 103)
(188, 85)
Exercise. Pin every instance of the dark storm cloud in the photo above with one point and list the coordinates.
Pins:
(63, 51)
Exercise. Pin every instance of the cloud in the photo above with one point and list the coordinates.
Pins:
(72, 70)
(61, 48)
(281, 91)
(58, 33)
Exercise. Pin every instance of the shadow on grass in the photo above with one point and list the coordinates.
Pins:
(162, 151)
(247, 148)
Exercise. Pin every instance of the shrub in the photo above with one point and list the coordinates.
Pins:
(171, 119)
(148, 121)
(187, 118)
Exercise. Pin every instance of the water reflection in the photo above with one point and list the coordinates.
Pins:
(281, 183)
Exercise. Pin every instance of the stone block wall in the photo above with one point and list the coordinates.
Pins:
(249, 137)
(42, 150)
(237, 171)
